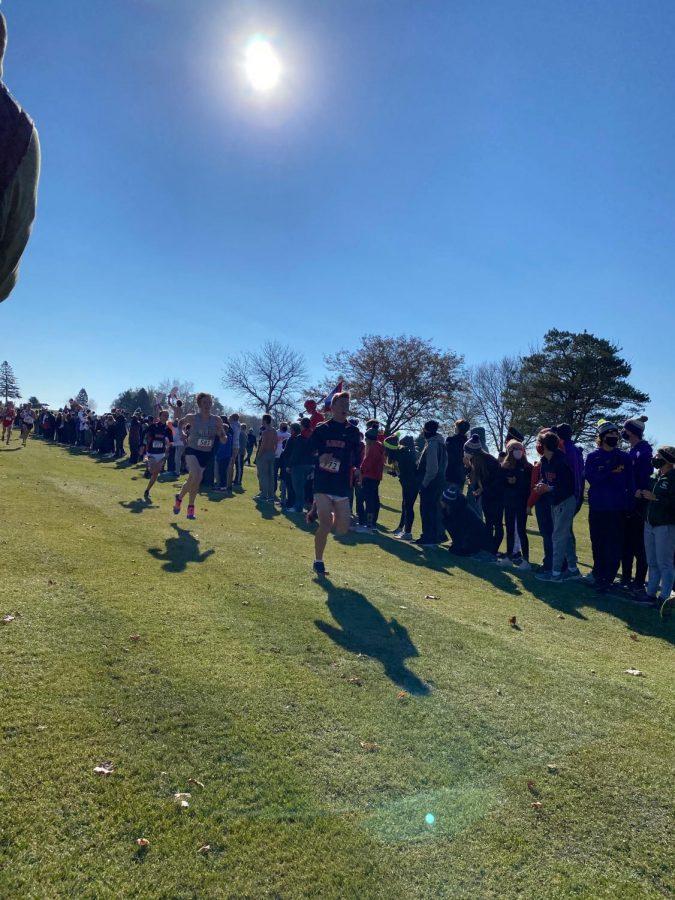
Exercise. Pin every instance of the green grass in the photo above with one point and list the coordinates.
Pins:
(241, 680)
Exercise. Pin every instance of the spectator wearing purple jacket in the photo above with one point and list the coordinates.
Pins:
(609, 473)
(575, 458)
(640, 454)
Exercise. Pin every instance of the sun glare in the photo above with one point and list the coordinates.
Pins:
(262, 65)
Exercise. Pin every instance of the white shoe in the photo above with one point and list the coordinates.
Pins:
(405, 536)
(398, 533)
(524, 566)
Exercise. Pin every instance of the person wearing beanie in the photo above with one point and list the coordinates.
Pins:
(516, 472)
(513, 434)
(557, 481)
(455, 473)
(640, 454)
(660, 529)
(372, 470)
(486, 485)
(610, 495)
(431, 480)
(401, 452)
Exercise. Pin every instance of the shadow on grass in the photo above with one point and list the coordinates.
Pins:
(180, 550)
(135, 506)
(9, 449)
(267, 510)
(570, 597)
(363, 629)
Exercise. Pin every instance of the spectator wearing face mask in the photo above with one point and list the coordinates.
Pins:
(660, 529)
(517, 473)
(557, 481)
(609, 474)
(640, 454)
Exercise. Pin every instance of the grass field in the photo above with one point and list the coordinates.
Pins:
(262, 684)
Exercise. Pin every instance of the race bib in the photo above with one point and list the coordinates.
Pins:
(158, 445)
(331, 464)
(204, 443)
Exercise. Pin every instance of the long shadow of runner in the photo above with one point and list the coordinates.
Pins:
(180, 550)
(363, 629)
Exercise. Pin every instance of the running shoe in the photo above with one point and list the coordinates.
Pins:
(319, 568)
(191, 512)
(146, 495)
(177, 504)
(405, 536)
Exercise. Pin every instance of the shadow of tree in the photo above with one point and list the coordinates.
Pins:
(363, 629)
(180, 550)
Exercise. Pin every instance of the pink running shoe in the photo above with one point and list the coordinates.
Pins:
(176, 504)
(191, 512)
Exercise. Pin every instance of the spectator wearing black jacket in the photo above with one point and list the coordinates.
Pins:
(120, 432)
(517, 474)
(401, 453)
(135, 439)
(557, 480)
(486, 485)
(455, 473)
(299, 461)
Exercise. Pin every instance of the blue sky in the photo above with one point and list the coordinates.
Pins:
(472, 172)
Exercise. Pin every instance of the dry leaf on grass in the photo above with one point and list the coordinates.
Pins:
(134, 637)
(537, 804)
(532, 788)
(512, 622)
(553, 770)
(430, 597)
(104, 769)
(402, 695)
(7, 619)
(354, 680)
(560, 616)
(635, 672)
(370, 746)
(205, 848)
(194, 781)
(143, 843)
(182, 798)
(633, 636)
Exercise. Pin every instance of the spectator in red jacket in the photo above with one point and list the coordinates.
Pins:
(372, 470)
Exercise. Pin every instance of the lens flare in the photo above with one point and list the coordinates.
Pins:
(261, 64)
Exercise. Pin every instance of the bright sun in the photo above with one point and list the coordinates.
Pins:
(262, 65)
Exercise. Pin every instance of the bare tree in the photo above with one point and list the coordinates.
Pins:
(399, 380)
(488, 386)
(270, 378)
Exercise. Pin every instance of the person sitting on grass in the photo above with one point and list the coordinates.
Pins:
(468, 534)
